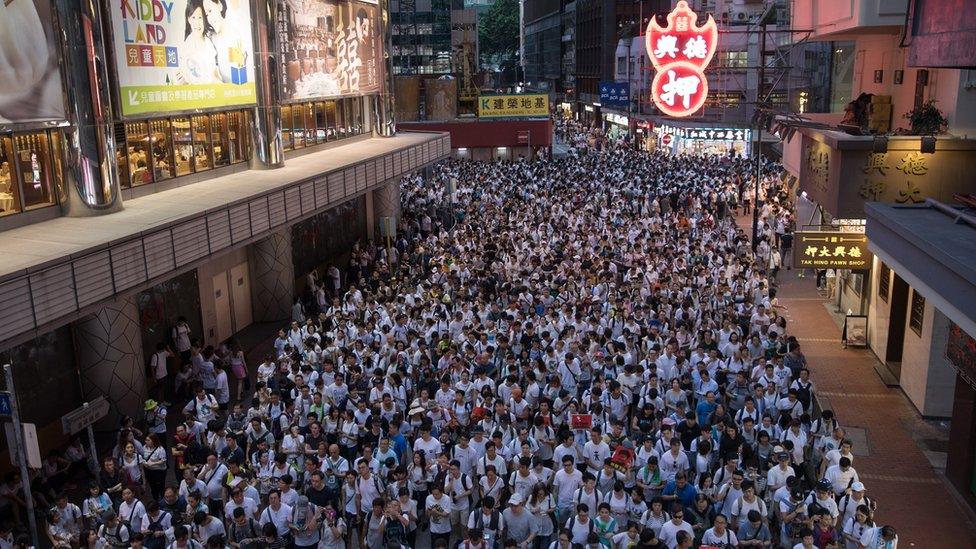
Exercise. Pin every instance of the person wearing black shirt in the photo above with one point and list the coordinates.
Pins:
(111, 481)
(174, 504)
(318, 493)
(688, 430)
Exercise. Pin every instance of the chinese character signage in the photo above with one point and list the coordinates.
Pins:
(30, 81)
(961, 352)
(510, 106)
(178, 55)
(329, 48)
(680, 52)
(711, 134)
(831, 250)
(615, 94)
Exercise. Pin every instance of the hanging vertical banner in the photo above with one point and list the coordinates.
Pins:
(680, 52)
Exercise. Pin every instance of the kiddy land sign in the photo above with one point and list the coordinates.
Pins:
(831, 250)
(680, 52)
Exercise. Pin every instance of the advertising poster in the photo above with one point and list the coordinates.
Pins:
(30, 81)
(329, 48)
(179, 55)
(441, 99)
(507, 106)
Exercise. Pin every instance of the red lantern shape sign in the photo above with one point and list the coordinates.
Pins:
(680, 52)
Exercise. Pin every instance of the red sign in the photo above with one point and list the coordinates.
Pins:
(666, 139)
(680, 52)
(622, 458)
(581, 421)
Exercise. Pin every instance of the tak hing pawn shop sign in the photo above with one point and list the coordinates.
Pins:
(680, 52)
(831, 250)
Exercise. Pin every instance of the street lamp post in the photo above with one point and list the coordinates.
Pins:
(759, 117)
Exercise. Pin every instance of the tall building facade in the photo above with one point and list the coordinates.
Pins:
(171, 186)
(542, 45)
(422, 35)
(861, 161)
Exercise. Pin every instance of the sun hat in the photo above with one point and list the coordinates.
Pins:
(150, 404)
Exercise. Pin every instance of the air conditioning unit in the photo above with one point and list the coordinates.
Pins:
(741, 14)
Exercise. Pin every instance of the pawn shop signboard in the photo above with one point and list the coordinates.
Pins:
(831, 250)
(680, 52)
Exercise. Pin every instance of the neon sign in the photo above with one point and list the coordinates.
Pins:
(680, 52)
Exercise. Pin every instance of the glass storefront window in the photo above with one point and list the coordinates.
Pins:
(320, 123)
(182, 146)
(34, 161)
(286, 141)
(330, 113)
(311, 131)
(162, 149)
(202, 159)
(341, 118)
(236, 138)
(137, 153)
(298, 126)
(219, 138)
(9, 192)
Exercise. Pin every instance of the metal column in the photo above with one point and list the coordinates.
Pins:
(91, 174)
(384, 107)
(266, 146)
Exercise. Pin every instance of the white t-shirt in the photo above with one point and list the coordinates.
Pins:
(567, 484)
(728, 538)
(431, 448)
(280, 518)
(439, 525)
(669, 532)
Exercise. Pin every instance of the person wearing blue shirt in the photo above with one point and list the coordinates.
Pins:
(706, 408)
(398, 442)
(680, 490)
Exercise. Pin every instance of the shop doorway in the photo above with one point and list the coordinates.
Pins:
(896, 326)
(221, 299)
(241, 296)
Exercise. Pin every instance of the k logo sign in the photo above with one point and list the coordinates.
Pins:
(680, 52)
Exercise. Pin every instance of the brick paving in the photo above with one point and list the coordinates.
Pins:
(911, 495)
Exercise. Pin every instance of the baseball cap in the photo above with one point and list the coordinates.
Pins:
(858, 487)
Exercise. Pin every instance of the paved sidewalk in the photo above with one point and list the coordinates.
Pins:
(911, 495)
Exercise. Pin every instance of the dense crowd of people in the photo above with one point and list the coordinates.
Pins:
(590, 354)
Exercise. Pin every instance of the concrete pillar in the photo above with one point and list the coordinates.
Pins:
(110, 359)
(386, 203)
(272, 277)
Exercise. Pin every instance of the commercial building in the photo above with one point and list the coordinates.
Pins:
(923, 312)
(794, 70)
(422, 36)
(168, 182)
(854, 169)
(542, 45)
